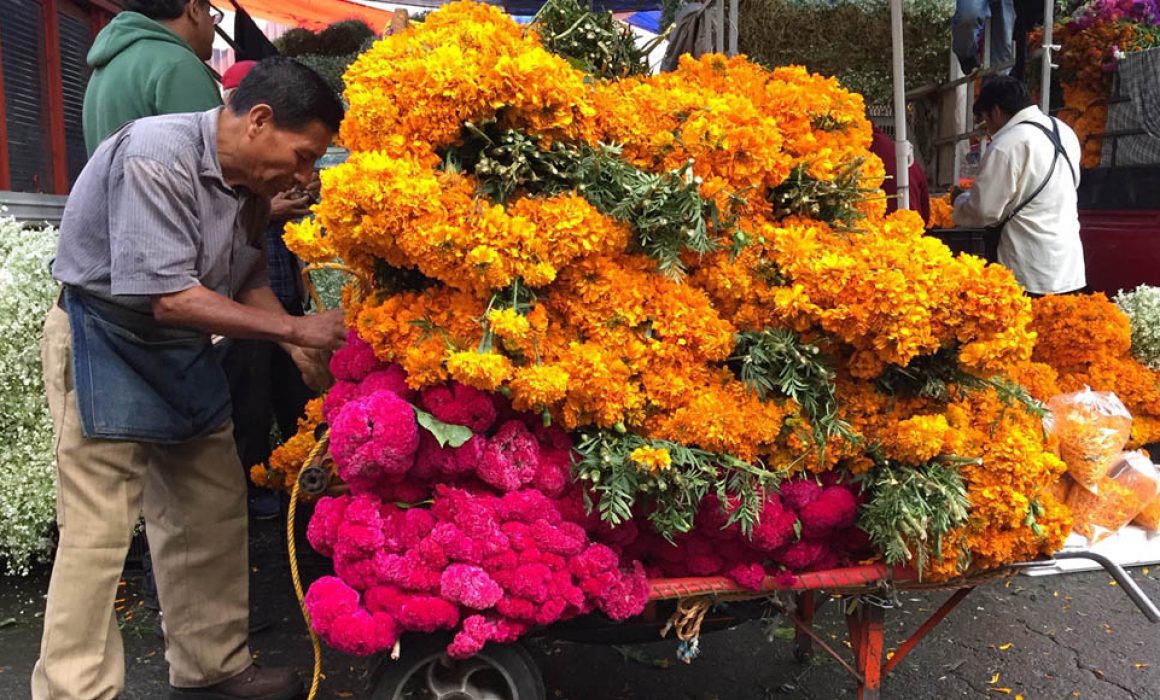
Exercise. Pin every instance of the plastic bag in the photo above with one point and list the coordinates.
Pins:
(1092, 428)
(1130, 484)
(1061, 488)
(1149, 518)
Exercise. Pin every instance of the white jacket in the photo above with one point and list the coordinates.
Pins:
(1041, 243)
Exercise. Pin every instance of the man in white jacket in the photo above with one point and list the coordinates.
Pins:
(1026, 188)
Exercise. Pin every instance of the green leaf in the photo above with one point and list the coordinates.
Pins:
(446, 433)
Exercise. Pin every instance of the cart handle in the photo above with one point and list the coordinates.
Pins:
(1125, 582)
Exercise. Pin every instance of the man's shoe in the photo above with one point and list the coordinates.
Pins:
(264, 504)
(969, 65)
(255, 683)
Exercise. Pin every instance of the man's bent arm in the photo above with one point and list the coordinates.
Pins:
(210, 312)
(991, 193)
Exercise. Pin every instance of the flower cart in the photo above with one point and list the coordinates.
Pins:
(420, 668)
(632, 349)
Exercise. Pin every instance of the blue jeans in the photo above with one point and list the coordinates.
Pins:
(970, 15)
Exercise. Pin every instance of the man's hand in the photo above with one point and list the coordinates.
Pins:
(314, 365)
(324, 331)
(293, 204)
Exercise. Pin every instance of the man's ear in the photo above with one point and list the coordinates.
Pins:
(260, 118)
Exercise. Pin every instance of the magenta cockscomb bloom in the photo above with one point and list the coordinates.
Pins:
(460, 404)
(372, 438)
(354, 360)
(835, 509)
(511, 458)
(469, 586)
(798, 493)
(322, 530)
(776, 527)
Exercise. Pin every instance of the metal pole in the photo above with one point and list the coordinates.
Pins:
(734, 11)
(1045, 72)
(720, 26)
(902, 145)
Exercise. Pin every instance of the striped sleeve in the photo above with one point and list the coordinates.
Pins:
(153, 229)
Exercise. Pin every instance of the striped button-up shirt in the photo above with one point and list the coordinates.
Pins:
(150, 214)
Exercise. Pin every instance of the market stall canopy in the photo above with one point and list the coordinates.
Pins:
(525, 8)
(314, 14)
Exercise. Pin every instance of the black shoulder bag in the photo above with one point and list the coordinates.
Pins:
(992, 234)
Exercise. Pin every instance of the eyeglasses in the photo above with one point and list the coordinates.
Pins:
(215, 15)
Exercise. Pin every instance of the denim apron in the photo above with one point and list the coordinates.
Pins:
(138, 381)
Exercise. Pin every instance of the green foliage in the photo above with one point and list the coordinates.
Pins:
(594, 42)
(940, 377)
(331, 68)
(339, 39)
(1142, 306)
(670, 496)
(775, 362)
(912, 509)
(668, 215)
(344, 38)
(849, 39)
(446, 434)
(834, 201)
(297, 42)
(27, 463)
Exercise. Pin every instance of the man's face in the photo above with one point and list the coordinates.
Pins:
(993, 119)
(281, 159)
(205, 17)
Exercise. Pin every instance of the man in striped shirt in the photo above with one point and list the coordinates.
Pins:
(160, 248)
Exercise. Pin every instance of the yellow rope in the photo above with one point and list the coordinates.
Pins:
(291, 543)
(687, 618)
(360, 291)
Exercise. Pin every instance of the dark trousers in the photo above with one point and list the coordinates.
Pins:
(267, 389)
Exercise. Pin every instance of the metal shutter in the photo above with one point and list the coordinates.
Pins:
(75, 39)
(29, 153)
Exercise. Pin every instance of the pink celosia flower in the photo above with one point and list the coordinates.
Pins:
(713, 519)
(469, 586)
(553, 471)
(627, 596)
(339, 395)
(567, 539)
(511, 458)
(354, 360)
(527, 506)
(328, 599)
(798, 493)
(433, 461)
(392, 378)
(751, 575)
(373, 437)
(775, 528)
(362, 633)
(469, 454)
(323, 527)
(835, 509)
(460, 404)
(801, 555)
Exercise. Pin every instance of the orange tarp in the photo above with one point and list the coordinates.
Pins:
(312, 14)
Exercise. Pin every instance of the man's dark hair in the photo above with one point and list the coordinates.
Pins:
(160, 9)
(1004, 92)
(296, 93)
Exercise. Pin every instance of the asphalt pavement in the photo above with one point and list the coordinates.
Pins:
(1049, 638)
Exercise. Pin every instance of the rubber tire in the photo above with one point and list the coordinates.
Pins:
(416, 651)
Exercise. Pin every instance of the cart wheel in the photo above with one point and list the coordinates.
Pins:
(801, 655)
(425, 672)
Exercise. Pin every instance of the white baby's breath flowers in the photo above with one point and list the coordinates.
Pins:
(1142, 306)
(27, 468)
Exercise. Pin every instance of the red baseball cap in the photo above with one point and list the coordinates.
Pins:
(235, 73)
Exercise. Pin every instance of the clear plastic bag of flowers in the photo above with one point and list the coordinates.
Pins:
(1149, 518)
(1092, 428)
(1131, 483)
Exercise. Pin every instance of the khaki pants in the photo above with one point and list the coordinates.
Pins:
(194, 499)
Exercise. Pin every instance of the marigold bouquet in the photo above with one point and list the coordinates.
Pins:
(705, 346)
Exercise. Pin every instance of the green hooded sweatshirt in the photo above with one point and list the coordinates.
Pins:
(142, 69)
